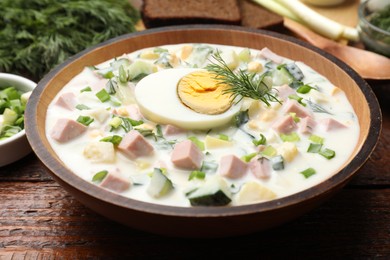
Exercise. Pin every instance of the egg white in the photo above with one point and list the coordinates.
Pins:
(157, 98)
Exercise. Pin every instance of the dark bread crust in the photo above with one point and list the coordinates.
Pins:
(255, 16)
(158, 13)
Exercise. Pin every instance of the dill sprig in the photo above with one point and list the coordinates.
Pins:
(241, 84)
(37, 35)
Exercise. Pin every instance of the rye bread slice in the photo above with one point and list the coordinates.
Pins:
(158, 13)
(255, 16)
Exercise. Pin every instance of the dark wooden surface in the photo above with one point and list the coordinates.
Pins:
(39, 220)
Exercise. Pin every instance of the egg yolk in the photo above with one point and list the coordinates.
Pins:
(201, 92)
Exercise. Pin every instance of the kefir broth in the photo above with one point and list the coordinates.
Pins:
(282, 182)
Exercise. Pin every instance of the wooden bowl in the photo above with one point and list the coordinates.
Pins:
(204, 221)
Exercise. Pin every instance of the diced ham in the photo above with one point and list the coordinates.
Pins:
(134, 145)
(66, 129)
(172, 130)
(306, 125)
(232, 167)
(284, 125)
(331, 124)
(260, 167)
(285, 91)
(115, 182)
(187, 155)
(268, 54)
(292, 106)
(67, 101)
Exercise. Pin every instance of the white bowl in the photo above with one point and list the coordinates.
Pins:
(16, 146)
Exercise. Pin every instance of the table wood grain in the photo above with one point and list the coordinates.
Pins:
(40, 220)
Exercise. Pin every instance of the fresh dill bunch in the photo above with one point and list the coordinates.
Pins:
(242, 84)
(37, 35)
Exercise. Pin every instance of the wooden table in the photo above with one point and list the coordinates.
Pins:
(39, 219)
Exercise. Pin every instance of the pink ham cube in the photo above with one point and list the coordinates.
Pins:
(134, 145)
(115, 182)
(285, 91)
(306, 125)
(260, 167)
(232, 167)
(268, 54)
(187, 155)
(331, 124)
(67, 101)
(292, 106)
(66, 129)
(284, 125)
(172, 130)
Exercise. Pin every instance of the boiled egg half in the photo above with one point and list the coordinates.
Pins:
(185, 97)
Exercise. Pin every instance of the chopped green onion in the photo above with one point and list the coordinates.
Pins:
(248, 157)
(99, 176)
(304, 89)
(197, 175)
(85, 120)
(293, 137)
(327, 153)
(223, 137)
(308, 172)
(82, 107)
(114, 139)
(115, 122)
(314, 148)
(123, 77)
(103, 96)
(159, 131)
(86, 89)
(108, 75)
(269, 151)
(197, 142)
(295, 117)
(297, 98)
(316, 139)
(260, 141)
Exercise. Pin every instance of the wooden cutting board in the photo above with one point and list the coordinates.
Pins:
(346, 13)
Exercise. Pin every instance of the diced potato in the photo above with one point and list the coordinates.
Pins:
(142, 164)
(318, 97)
(335, 90)
(252, 124)
(231, 59)
(268, 115)
(173, 60)
(254, 109)
(255, 66)
(288, 150)
(96, 133)
(186, 51)
(212, 142)
(252, 192)
(100, 114)
(149, 55)
(100, 152)
(122, 111)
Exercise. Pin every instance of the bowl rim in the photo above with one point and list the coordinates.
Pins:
(29, 85)
(362, 17)
(98, 193)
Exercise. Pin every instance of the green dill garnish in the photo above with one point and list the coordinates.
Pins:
(242, 84)
(37, 35)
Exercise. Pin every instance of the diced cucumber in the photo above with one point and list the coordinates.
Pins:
(120, 62)
(159, 185)
(245, 55)
(277, 163)
(140, 68)
(295, 71)
(214, 192)
(282, 76)
(9, 117)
